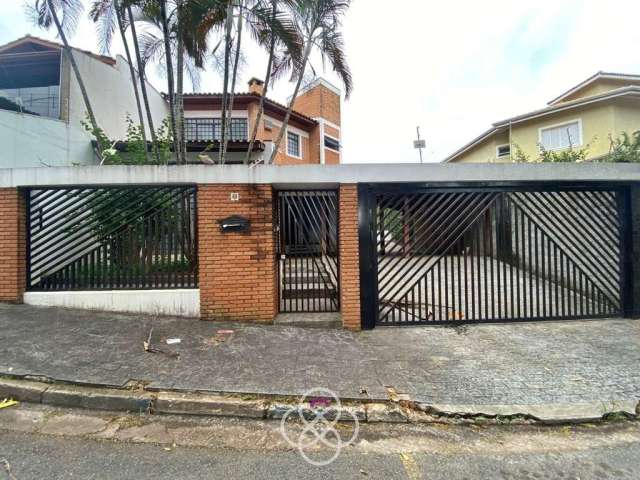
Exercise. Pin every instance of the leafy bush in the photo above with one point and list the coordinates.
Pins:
(134, 153)
(570, 155)
(624, 149)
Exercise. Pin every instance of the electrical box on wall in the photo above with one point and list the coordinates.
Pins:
(234, 224)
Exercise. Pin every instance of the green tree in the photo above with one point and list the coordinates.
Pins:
(624, 149)
(319, 23)
(108, 14)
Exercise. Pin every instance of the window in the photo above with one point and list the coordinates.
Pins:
(558, 137)
(238, 130)
(503, 150)
(210, 129)
(268, 125)
(200, 129)
(43, 101)
(331, 143)
(293, 144)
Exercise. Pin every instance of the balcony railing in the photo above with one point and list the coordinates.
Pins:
(43, 101)
(210, 129)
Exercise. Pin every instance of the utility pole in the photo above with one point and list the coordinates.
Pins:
(419, 143)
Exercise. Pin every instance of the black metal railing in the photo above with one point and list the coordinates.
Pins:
(501, 254)
(308, 251)
(93, 238)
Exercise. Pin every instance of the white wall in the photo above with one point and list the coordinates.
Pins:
(33, 141)
(111, 94)
(178, 302)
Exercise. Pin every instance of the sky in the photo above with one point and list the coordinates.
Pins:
(450, 67)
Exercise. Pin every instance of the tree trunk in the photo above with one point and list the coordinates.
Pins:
(143, 86)
(182, 156)
(170, 82)
(227, 53)
(265, 89)
(76, 71)
(305, 59)
(134, 82)
(236, 60)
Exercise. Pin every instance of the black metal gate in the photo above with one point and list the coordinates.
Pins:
(108, 237)
(308, 251)
(498, 254)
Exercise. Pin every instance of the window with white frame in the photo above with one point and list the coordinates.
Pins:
(293, 144)
(332, 143)
(559, 137)
(503, 150)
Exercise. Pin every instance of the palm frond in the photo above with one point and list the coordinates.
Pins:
(103, 13)
(151, 48)
(332, 48)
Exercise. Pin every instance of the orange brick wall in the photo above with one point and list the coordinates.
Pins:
(331, 157)
(237, 271)
(349, 262)
(319, 101)
(12, 245)
(310, 153)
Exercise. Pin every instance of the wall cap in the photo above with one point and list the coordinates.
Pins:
(319, 176)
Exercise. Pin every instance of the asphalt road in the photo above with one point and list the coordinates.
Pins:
(36, 456)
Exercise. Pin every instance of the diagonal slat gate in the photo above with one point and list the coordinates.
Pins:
(465, 255)
(127, 237)
(308, 250)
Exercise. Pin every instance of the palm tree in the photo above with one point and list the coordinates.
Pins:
(265, 23)
(234, 76)
(47, 14)
(228, 45)
(164, 23)
(272, 41)
(319, 22)
(186, 30)
(106, 13)
(143, 83)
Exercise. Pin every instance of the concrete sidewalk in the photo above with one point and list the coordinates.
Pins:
(574, 362)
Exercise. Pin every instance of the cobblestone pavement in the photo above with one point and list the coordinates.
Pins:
(510, 364)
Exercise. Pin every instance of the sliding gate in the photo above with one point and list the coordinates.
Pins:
(497, 254)
(308, 251)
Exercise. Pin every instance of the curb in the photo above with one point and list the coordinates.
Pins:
(264, 407)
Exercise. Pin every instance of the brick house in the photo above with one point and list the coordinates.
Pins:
(313, 132)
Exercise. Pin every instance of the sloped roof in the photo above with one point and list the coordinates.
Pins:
(252, 96)
(592, 79)
(4, 49)
(502, 125)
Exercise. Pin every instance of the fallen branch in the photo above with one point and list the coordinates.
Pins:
(148, 347)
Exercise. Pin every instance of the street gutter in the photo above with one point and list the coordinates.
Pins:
(137, 398)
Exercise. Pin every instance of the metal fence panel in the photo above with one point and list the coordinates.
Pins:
(129, 237)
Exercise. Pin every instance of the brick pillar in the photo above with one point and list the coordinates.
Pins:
(237, 270)
(12, 245)
(349, 260)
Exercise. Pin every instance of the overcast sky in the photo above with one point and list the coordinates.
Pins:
(451, 67)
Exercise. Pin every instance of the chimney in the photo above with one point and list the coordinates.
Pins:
(256, 86)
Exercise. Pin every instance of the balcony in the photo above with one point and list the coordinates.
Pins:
(42, 101)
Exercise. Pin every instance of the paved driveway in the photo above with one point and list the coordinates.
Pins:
(523, 363)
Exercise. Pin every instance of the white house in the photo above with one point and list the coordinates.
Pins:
(41, 107)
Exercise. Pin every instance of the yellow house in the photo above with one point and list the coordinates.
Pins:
(586, 116)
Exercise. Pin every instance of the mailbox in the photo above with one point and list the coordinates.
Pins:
(234, 224)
